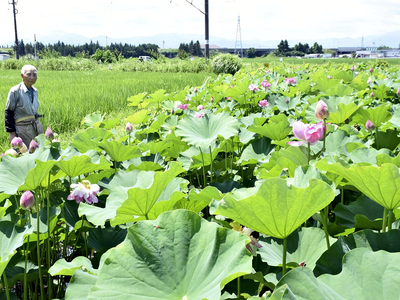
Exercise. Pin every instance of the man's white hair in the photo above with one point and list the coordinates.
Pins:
(27, 67)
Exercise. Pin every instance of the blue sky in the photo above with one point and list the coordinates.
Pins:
(263, 20)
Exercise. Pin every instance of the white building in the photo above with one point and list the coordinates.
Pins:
(384, 53)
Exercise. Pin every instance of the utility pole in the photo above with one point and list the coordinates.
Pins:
(206, 15)
(207, 44)
(15, 11)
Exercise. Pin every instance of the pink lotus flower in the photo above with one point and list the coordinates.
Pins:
(49, 134)
(33, 146)
(265, 84)
(17, 143)
(371, 70)
(128, 127)
(369, 81)
(263, 103)
(27, 200)
(183, 106)
(290, 80)
(329, 77)
(84, 191)
(200, 107)
(212, 99)
(369, 125)
(398, 92)
(352, 68)
(253, 88)
(321, 110)
(186, 99)
(307, 133)
(199, 115)
(372, 94)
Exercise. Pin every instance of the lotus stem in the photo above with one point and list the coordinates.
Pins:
(284, 256)
(324, 217)
(49, 277)
(385, 219)
(376, 138)
(38, 250)
(309, 154)
(204, 169)
(211, 164)
(390, 219)
(342, 195)
(323, 143)
(238, 287)
(26, 261)
(5, 281)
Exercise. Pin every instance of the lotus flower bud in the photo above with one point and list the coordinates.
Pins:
(16, 143)
(27, 200)
(369, 125)
(200, 107)
(321, 110)
(49, 134)
(398, 92)
(212, 99)
(352, 68)
(372, 94)
(33, 146)
(371, 70)
(128, 127)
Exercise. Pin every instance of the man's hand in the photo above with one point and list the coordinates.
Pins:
(12, 135)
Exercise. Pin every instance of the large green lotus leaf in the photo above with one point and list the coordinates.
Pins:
(204, 132)
(140, 117)
(178, 256)
(150, 203)
(63, 267)
(198, 200)
(362, 214)
(13, 172)
(276, 129)
(395, 120)
(366, 275)
(256, 152)
(306, 245)
(240, 88)
(156, 97)
(365, 154)
(82, 164)
(297, 155)
(360, 82)
(80, 285)
(37, 175)
(330, 262)
(339, 90)
(90, 120)
(324, 83)
(376, 115)
(388, 139)
(119, 152)
(136, 100)
(102, 239)
(284, 103)
(90, 138)
(336, 141)
(277, 208)
(156, 124)
(381, 184)
(11, 238)
(193, 158)
(16, 272)
(342, 113)
(43, 228)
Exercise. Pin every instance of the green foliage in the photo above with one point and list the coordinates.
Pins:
(251, 52)
(226, 64)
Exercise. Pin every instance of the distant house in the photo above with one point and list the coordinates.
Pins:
(4, 55)
(386, 53)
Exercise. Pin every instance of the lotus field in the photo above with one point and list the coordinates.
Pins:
(277, 183)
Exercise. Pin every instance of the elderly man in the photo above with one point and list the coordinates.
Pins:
(22, 108)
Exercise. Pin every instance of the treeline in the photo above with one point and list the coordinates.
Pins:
(87, 49)
(298, 50)
(191, 48)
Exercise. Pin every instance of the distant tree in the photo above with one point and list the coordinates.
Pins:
(251, 52)
(21, 48)
(382, 47)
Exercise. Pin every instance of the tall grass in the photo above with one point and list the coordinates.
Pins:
(66, 97)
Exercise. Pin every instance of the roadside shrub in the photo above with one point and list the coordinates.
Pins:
(226, 63)
(381, 64)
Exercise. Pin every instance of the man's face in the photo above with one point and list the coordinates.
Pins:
(29, 78)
